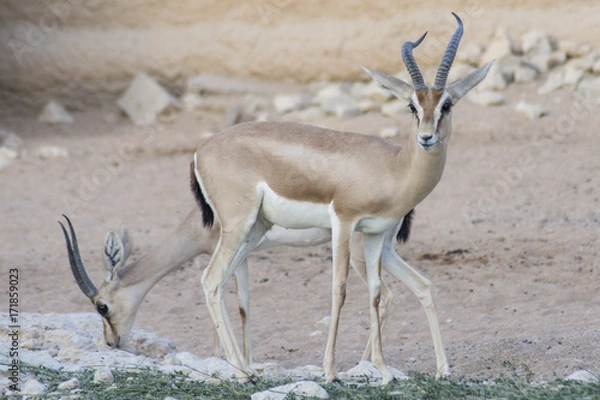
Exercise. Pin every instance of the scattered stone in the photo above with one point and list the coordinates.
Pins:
(307, 372)
(263, 116)
(324, 323)
(524, 74)
(68, 385)
(366, 370)
(583, 376)
(573, 48)
(393, 108)
(500, 47)
(486, 98)
(308, 389)
(7, 155)
(170, 398)
(388, 132)
(555, 81)
(311, 114)
(144, 100)
(585, 63)
(572, 76)
(49, 152)
(103, 375)
(528, 110)
(537, 42)
(220, 84)
(33, 387)
(55, 113)
(10, 140)
(596, 68)
(590, 88)
(271, 370)
(285, 103)
(368, 105)
(209, 367)
(191, 101)
(150, 344)
(469, 53)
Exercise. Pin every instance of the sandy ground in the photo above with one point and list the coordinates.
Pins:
(509, 237)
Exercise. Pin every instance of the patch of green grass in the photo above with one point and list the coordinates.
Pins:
(147, 384)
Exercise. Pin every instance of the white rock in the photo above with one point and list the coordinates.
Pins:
(68, 385)
(263, 116)
(330, 91)
(528, 110)
(537, 42)
(500, 47)
(298, 389)
(272, 370)
(367, 105)
(388, 132)
(555, 81)
(572, 76)
(311, 114)
(470, 54)
(49, 152)
(211, 366)
(55, 113)
(366, 370)
(307, 372)
(10, 140)
(573, 48)
(393, 108)
(33, 387)
(144, 100)
(285, 103)
(191, 101)
(596, 68)
(323, 323)
(583, 376)
(7, 155)
(150, 344)
(486, 98)
(590, 88)
(103, 375)
(525, 74)
(585, 63)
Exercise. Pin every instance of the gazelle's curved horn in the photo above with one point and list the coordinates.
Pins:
(411, 64)
(444, 68)
(84, 282)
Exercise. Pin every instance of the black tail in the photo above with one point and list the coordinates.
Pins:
(208, 216)
(404, 231)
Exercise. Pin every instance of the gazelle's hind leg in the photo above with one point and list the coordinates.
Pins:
(233, 248)
(423, 289)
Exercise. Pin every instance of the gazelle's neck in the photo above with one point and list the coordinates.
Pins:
(189, 240)
(424, 169)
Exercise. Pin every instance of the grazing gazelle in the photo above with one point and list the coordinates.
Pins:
(119, 297)
(256, 175)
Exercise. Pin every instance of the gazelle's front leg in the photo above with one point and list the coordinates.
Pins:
(373, 244)
(423, 289)
(340, 240)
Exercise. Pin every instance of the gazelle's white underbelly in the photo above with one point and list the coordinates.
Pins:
(293, 213)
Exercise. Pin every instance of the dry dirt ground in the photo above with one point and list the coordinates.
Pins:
(510, 238)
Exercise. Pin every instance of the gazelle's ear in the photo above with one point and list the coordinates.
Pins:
(117, 248)
(398, 87)
(461, 87)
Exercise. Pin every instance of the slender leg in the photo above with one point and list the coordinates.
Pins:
(357, 260)
(233, 248)
(423, 289)
(373, 246)
(340, 234)
(243, 293)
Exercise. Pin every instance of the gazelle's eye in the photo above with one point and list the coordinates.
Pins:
(447, 107)
(102, 309)
(412, 108)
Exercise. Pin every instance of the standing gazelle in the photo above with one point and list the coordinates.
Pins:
(255, 175)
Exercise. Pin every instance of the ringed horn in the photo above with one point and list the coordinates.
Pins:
(82, 278)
